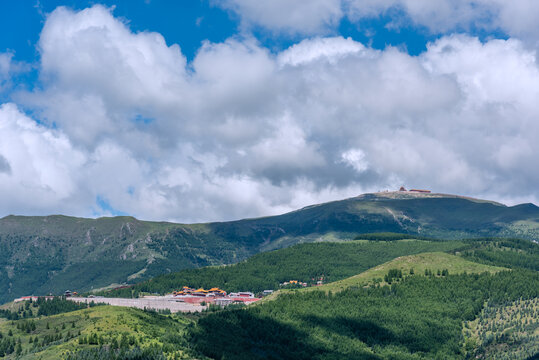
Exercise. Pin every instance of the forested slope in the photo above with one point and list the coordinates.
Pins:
(304, 262)
(101, 332)
(420, 317)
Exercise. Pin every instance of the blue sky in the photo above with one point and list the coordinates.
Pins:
(189, 23)
(182, 22)
(220, 109)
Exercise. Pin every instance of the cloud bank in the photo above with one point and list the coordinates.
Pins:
(123, 123)
(516, 18)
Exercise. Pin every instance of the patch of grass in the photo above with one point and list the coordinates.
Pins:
(433, 261)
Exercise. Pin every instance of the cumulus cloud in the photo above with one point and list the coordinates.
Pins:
(239, 131)
(330, 49)
(517, 18)
(290, 16)
(356, 159)
(439, 15)
(40, 165)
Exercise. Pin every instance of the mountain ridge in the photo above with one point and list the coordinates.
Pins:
(382, 195)
(57, 252)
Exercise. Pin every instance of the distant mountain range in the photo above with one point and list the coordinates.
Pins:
(54, 253)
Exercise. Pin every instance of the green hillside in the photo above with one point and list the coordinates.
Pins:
(335, 261)
(417, 317)
(39, 255)
(303, 262)
(512, 253)
(448, 307)
(130, 333)
(410, 265)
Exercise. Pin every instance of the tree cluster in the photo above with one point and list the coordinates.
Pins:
(416, 318)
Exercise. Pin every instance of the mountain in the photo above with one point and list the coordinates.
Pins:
(54, 253)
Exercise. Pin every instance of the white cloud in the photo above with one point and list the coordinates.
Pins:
(356, 159)
(517, 18)
(292, 16)
(43, 165)
(330, 49)
(242, 132)
(512, 79)
(106, 74)
(437, 15)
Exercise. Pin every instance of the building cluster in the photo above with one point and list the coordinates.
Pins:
(213, 292)
(293, 282)
(213, 296)
(415, 190)
(315, 281)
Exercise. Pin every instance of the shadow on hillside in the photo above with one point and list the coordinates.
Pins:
(373, 335)
(363, 330)
(244, 335)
